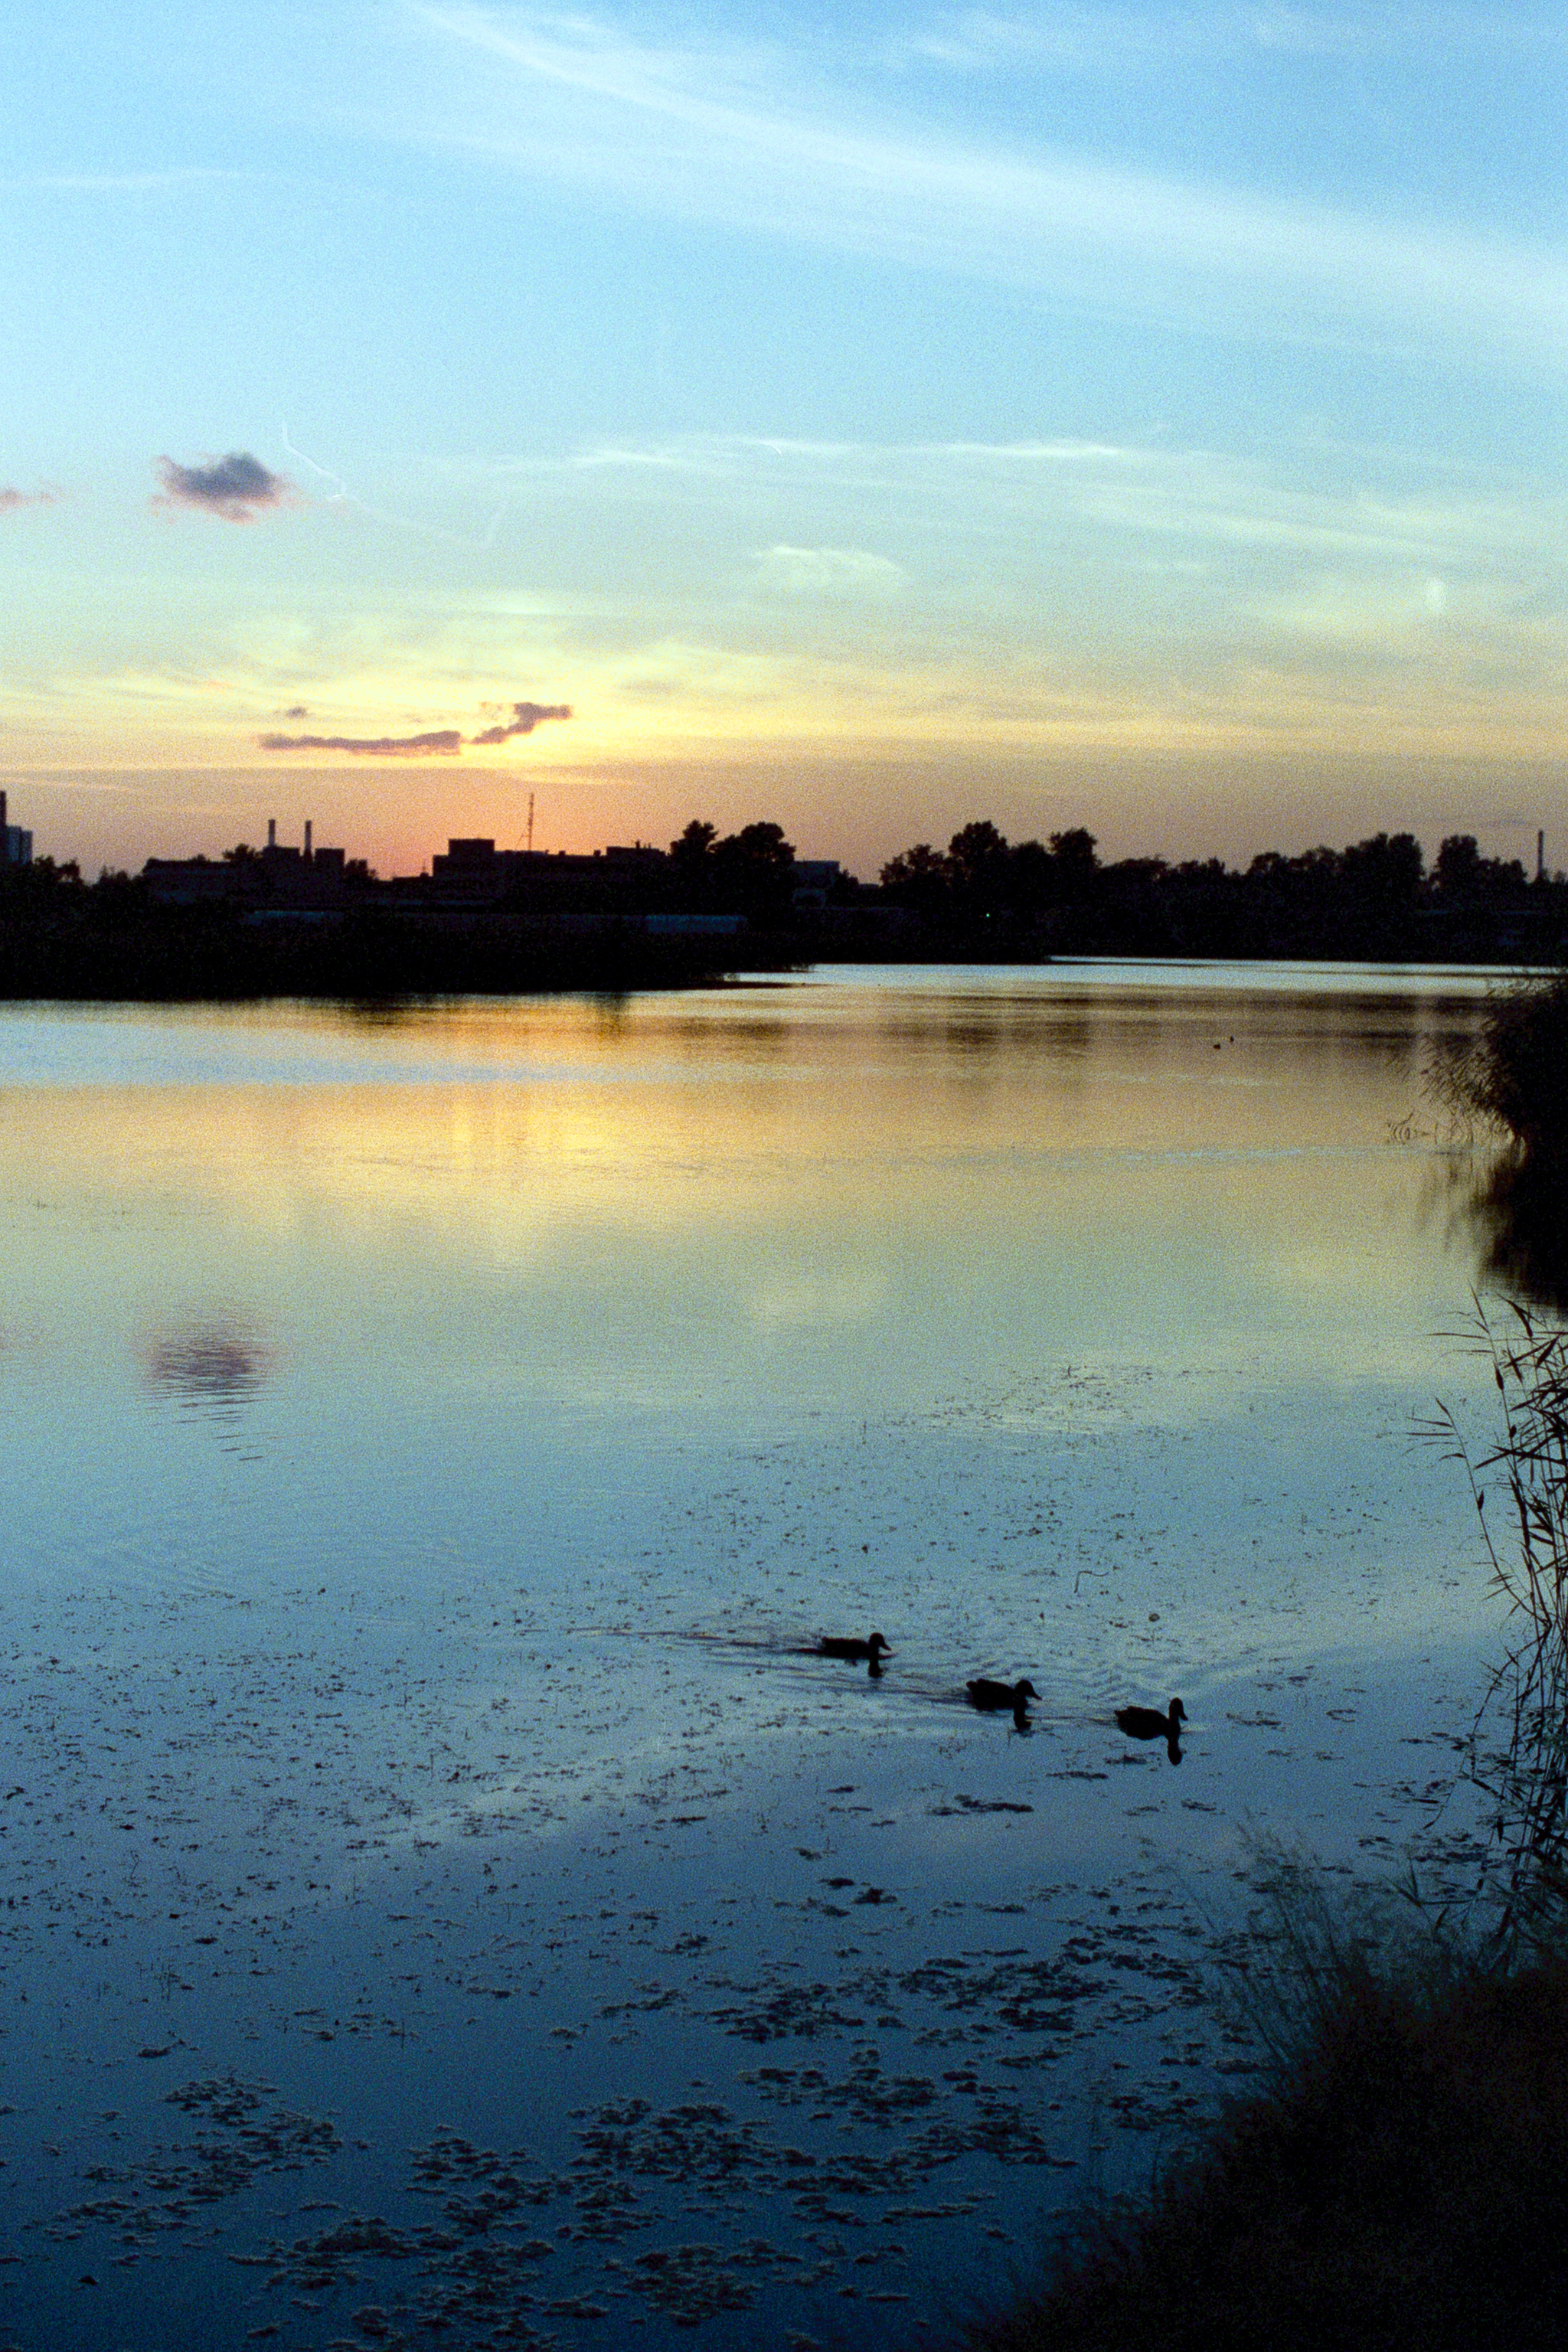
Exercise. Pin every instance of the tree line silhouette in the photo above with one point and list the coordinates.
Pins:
(1375, 899)
(61, 937)
(580, 922)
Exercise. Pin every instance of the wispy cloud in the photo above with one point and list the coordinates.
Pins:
(435, 743)
(15, 501)
(237, 488)
(828, 571)
(1078, 38)
(130, 184)
(733, 456)
(1303, 497)
(678, 129)
(1071, 38)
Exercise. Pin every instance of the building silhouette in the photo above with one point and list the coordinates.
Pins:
(16, 840)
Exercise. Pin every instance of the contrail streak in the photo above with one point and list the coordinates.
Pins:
(343, 495)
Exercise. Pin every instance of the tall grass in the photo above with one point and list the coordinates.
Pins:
(1521, 1489)
(1311, 1951)
(1502, 1097)
(1513, 1076)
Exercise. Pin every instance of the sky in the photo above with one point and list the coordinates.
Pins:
(867, 418)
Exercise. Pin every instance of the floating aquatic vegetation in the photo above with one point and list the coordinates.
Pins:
(172, 2190)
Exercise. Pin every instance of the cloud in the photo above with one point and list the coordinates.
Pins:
(1167, 502)
(828, 571)
(440, 742)
(12, 501)
(238, 487)
(131, 183)
(437, 744)
(526, 717)
(750, 143)
(1091, 36)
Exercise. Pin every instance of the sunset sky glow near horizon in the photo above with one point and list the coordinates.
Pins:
(869, 417)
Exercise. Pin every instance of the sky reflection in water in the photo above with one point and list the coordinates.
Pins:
(391, 1403)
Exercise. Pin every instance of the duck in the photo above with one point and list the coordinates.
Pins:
(1148, 1723)
(859, 1650)
(992, 1697)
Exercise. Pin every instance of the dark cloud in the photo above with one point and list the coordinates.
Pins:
(525, 717)
(238, 487)
(12, 501)
(440, 742)
(296, 710)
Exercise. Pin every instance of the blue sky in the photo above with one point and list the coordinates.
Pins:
(870, 417)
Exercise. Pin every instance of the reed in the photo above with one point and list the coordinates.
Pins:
(1518, 1745)
(1512, 1077)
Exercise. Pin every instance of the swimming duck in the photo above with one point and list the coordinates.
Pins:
(1148, 1723)
(992, 1697)
(851, 1646)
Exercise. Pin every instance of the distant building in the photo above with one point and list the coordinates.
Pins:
(628, 885)
(190, 881)
(625, 879)
(814, 880)
(694, 926)
(478, 860)
(16, 840)
(278, 879)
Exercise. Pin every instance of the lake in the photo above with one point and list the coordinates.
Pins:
(445, 1902)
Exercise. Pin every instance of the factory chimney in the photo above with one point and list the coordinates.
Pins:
(307, 841)
(1541, 856)
(272, 833)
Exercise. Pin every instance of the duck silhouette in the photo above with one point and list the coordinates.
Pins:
(991, 1697)
(1148, 1723)
(860, 1650)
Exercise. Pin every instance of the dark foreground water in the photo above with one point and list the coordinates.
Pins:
(441, 1904)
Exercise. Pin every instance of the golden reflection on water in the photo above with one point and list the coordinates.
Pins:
(977, 1171)
(381, 1399)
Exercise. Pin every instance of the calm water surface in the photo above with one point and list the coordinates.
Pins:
(442, 1902)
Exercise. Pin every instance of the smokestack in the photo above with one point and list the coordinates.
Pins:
(272, 833)
(2, 827)
(1541, 856)
(307, 841)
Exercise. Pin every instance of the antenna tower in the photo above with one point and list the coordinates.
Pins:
(530, 824)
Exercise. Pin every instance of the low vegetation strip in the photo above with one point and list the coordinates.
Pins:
(172, 955)
(1400, 2186)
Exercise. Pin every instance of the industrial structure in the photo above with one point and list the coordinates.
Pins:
(634, 883)
(278, 880)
